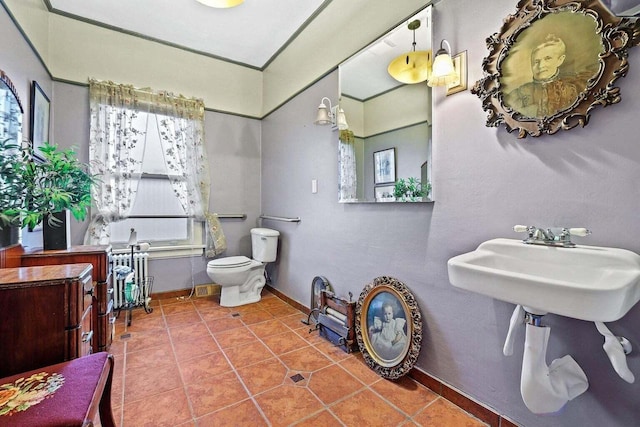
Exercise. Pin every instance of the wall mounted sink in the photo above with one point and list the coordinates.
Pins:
(585, 282)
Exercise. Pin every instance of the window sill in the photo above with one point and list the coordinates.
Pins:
(165, 252)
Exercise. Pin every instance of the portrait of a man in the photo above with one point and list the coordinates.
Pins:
(548, 67)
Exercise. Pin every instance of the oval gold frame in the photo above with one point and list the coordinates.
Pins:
(617, 36)
(402, 362)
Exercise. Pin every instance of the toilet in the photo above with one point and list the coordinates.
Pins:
(242, 279)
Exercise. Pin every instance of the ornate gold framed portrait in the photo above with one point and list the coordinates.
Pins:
(388, 327)
(552, 62)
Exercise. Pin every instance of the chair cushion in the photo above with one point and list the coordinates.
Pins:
(56, 395)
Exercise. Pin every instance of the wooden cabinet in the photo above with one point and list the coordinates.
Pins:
(100, 258)
(45, 316)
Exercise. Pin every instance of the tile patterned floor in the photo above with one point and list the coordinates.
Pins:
(192, 362)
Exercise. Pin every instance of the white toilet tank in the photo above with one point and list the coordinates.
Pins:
(264, 244)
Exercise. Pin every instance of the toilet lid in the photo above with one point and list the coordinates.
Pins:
(230, 262)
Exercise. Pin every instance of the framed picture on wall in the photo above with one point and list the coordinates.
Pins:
(384, 166)
(552, 63)
(39, 127)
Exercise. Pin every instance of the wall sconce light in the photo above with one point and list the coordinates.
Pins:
(334, 116)
(448, 71)
(221, 4)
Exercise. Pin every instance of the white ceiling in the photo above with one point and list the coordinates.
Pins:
(249, 34)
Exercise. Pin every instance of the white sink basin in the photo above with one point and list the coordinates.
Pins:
(586, 282)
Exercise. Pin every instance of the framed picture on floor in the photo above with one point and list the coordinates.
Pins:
(388, 327)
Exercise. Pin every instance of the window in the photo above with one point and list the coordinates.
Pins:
(157, 215)
(146, 149)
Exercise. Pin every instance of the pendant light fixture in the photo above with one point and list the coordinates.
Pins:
(411, 67)
(221, 4)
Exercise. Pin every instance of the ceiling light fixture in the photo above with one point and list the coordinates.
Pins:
(334, 116)
(221, 4)
(412, 67)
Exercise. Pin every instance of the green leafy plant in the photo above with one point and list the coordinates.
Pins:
(12, 184)
(410, 189)
(59, 183)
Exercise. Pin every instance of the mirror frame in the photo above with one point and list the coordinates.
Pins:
(7, 81)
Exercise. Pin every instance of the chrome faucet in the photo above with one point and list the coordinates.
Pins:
(540, 236)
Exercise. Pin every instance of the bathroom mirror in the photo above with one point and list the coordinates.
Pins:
(10, 112)
(386, 117)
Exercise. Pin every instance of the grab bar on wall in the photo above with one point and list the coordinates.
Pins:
(235, 216)
(238, 216)
(280, 218)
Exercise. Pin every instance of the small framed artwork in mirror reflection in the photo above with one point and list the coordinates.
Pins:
(384, 166)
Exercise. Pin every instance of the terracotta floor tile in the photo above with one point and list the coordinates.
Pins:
(207, 395)
(224, 324)
(213, 311)
(358, 367)
(189, 331)
(141, 383)
(146, 323)
(285, 342)
(268, 328)
(305, 359)
(150, 358)
(442, 412)
(146, 339)
(255, 317)
(405, 393)
(285, 311)
(234, 337)
(186, 317)
(170, 370)
(331, 350)
(204, 367)
(188, 349)
(244, 309)
(287, 404)
(367, 409)
(324, 419)
(242, 414)
(333, 383)
(248, 354)
(295, 322)
(264, 375)
(168, 409)
(181, 307)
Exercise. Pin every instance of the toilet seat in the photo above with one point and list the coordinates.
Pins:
(230, 262)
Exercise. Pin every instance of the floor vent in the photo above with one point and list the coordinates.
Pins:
(207, 290)
(296, 378)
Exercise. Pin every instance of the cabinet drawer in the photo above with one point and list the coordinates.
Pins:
(104, 296)
(86, 333)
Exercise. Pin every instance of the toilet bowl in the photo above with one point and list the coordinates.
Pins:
(241, 279)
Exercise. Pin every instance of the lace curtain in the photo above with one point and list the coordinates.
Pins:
(180, 124)
(347, 185)
(115, 132)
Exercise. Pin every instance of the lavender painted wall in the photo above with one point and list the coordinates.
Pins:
(485, 180)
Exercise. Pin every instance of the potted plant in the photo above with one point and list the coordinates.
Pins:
(410, 190)
(55, 187)
(12, 192)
